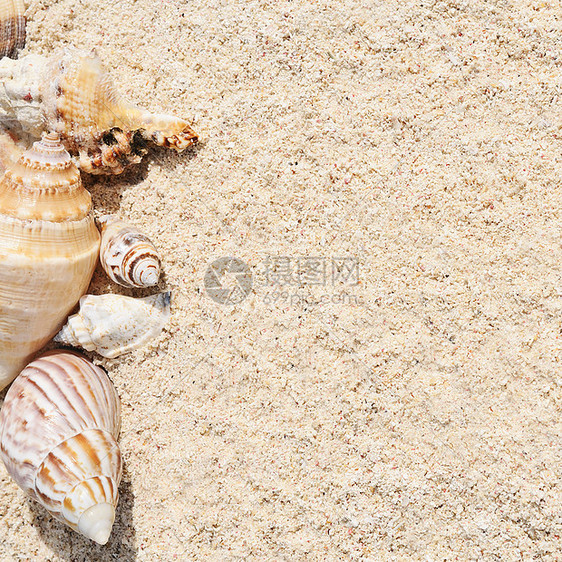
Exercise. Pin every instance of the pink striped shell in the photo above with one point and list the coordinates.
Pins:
(58, 439)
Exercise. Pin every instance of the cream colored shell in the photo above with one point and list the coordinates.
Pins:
(115, 324)
(72, 93)
(127, 255)
(58, 439)
(49, 246)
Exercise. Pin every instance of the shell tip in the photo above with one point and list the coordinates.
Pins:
(150, 277)
(166, 298)
(96, 522)
(52, 136)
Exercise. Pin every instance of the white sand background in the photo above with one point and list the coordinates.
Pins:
(419, 418)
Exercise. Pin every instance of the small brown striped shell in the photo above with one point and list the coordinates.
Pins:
(127, 255)
(58, 439)
(12, 27)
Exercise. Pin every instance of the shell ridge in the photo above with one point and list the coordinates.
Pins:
(78, 388)
(89, 396)
(74, 461)
(48, 391)
(98, 390)
(13, 24)
(74, 435)
(57, 388)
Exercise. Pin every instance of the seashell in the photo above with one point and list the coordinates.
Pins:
(72, 93)
(127, 255)
(49, 246)
(115, 324)
(12, 27)
(58, 439)
(9, 151)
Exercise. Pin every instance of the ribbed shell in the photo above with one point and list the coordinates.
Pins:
(115, 324)
(48, 250)
(12, 27)
(58, 429)
(72, 93)
(127, 255)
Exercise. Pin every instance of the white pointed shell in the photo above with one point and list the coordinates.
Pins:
(58, 439)
(127, 255)
(72, 93)
(49, 246)
(115, 324)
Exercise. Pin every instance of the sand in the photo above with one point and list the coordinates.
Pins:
(409, 410)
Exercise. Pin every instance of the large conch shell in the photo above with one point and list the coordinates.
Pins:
(12, 27)
(58, 439)
(72, 93)
(49, 247)
(115, 324)
(127, 255)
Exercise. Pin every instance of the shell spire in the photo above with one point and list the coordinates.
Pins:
(58, 439)
(49, 246)
(44, 184)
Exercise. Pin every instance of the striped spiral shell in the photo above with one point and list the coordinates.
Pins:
(127, 255)
(12, 27)
(49, 246)
(58, 439)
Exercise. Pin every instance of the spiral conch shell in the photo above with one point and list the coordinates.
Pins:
(58, 439)
(12, 27)
(115, 324)
(72, 93)
(49, 246)
(127, 255)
